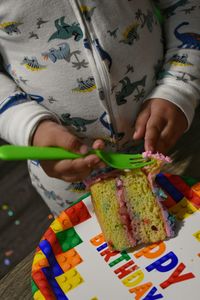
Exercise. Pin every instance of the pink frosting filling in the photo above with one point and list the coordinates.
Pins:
(150, 171)
(123, 211)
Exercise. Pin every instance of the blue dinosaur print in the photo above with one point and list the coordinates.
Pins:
(32, 64)
(36, 98)
(86, 44)
(48, 193)
(66, 31)
(103, 54)
(85, 86)
(190, 40)
(19, 98)
(109, 126)
(63, 52)
(10, 27)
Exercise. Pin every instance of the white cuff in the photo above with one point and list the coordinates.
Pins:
(18, 123)
(185, 99)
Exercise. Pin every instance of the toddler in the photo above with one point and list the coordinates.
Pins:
(83, 74)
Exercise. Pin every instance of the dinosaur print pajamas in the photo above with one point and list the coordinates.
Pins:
(90, 65)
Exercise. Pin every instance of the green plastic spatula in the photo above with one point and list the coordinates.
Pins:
(115, 160)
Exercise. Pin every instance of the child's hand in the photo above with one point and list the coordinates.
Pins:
(160, 123)
(49, 133)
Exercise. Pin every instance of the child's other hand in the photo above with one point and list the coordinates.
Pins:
(49, 133)
(160, 123)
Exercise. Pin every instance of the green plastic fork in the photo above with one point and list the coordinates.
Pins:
(115, 160)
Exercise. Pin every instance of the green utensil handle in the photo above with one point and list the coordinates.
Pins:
(11, 152)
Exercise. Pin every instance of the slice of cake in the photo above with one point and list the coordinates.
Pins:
(128, 207)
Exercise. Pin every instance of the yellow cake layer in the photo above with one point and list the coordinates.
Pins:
(106, 208)
(144, 206)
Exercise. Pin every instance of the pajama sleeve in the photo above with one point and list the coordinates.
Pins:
(20, 113)
(179, 79)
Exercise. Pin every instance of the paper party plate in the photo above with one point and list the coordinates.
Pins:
(72, 260)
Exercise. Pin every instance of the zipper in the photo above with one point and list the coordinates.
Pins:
(97, 65)
(102, 72)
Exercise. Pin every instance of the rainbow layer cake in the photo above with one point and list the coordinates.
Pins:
(129, 209)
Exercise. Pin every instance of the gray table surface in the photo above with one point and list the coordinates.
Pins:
(16, 285)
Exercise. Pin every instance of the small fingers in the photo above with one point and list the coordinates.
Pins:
(81, 170)
(89, 161)
(164, 125)
(78, 169)
(154, 128)
(98, 144)
(140, 125)
(70, 142)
